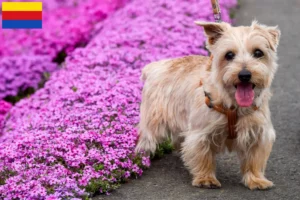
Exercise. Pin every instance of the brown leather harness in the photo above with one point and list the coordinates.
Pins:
(231, 113)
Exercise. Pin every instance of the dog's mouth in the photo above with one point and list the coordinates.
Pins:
(244, 94)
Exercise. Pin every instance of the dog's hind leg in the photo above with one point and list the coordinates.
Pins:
(152, 126)
(149, 139)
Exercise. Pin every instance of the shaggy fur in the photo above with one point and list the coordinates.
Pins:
(173, 103)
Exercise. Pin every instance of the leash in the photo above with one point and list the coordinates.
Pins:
(216, 11)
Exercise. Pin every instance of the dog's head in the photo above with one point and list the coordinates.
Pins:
(244, 59)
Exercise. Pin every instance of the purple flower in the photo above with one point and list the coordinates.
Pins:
(25, 55)
(4, 108)
(77, 135)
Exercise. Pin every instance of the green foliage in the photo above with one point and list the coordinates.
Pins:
(232, 14)
(164, 148)
(5, 174)
(95, 185)
(99, 167)
(50, 189)
(60, 58)
(138, 160)
(74, 88)
(21, 94)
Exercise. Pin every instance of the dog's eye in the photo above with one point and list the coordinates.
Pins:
(258, 53)
(229, 56)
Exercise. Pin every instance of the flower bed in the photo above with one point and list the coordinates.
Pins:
(22, 72)
(77, 135)
(65, 28)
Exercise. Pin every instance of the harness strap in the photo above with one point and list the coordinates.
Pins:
(230, 113)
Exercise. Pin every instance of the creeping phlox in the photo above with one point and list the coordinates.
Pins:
(77, 135)
(26, 54)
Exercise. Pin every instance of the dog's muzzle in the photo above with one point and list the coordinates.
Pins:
(245, 75)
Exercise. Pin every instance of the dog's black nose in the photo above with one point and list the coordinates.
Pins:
(245, 75)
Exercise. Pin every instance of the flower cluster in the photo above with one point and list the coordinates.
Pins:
(21, 72)
(4, 108)
(77, 135)
(64, 29)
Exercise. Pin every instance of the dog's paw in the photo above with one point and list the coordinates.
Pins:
(253, 183)
(206, 182)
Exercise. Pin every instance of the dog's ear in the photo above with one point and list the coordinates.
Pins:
(213, 30)
(272, 31)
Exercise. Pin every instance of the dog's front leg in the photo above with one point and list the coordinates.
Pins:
(253, 165)
(199, 157)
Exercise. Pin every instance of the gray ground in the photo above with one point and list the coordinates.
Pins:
(168, 179)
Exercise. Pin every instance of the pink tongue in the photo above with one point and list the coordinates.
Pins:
(244, 94)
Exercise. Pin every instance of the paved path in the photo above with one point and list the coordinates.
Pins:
(167, 178)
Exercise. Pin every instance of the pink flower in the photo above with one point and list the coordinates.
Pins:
(78, 133)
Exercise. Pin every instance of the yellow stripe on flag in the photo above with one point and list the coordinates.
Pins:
(22, 6)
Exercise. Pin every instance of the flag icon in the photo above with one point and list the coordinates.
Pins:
(22, 15)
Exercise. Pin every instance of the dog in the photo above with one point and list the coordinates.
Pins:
(200, 101)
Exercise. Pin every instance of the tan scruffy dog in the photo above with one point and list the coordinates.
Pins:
(195, 100)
